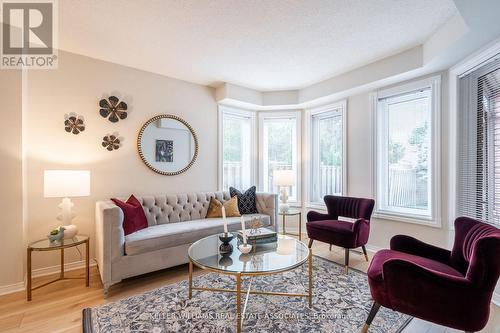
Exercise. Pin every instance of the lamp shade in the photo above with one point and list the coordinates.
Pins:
(283, 178)
(66, 183)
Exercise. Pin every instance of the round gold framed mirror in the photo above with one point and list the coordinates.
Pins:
(167, 144)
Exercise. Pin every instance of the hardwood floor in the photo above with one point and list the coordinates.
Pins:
(57, 308)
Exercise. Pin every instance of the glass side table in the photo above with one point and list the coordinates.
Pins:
(46, 245)
(291, 212)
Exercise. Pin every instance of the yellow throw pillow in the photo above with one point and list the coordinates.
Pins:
(231, 206)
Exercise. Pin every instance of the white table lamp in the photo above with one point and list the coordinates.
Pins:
(65, 184)
(283, 179)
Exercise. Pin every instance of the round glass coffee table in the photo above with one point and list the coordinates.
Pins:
(284, 255)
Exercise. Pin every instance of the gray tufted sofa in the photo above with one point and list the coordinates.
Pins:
(175, 222)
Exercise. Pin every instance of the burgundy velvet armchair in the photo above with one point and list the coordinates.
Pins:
(329, 229)
(449, 288)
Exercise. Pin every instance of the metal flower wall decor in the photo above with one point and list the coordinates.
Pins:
(113, 109)
(73, 123)
(111, 142)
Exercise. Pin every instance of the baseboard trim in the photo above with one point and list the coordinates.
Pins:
(12, 288)
(21, 286)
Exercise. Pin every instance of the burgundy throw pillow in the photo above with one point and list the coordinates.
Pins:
(134, 217)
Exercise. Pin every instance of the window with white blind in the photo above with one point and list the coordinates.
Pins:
(327, 151)
(279, 140)
(407, 152)
(237, 148)
(478, 170)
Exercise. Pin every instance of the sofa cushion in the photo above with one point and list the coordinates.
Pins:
(173, 234)
(246, 201)
(134, 217)
(230, 206)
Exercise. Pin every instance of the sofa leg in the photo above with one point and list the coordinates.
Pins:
(346, 260)
(365, 253)
(311, 243)
(330, 247)
(371, 315)
(105, 290)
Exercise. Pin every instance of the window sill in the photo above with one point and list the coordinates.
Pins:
(428, 222)
(315, 205)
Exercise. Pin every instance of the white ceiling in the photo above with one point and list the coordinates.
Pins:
(259, 44)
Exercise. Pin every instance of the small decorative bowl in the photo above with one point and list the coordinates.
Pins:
(245, 248)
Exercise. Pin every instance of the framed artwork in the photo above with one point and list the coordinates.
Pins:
(164, 151)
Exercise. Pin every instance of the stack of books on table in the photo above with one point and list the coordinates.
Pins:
(259, 236)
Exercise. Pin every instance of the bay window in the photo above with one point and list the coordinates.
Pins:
(406, 152)
(279, 134)
(327, 152)
(237, 148)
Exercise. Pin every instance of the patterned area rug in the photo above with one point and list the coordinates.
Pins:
(340, 304)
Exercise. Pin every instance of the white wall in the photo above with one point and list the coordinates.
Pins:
(11, 204)
(77, 86)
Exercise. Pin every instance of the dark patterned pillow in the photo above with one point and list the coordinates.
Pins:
(246, 201)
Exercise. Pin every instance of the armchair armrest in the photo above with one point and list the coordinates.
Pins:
(360, 223)
(413, 246)
(395, 269)
(316, 216)
(361, 227)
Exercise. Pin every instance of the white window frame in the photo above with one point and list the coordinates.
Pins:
(264, 115)
(341, 107)
(473, 62)
(434, 220)
(223, 110)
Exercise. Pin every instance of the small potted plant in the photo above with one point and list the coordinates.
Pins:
(56, 235)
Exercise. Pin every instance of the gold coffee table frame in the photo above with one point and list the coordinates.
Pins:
(238, 291)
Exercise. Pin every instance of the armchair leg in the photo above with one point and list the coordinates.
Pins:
(365, 253)
(311, 243)
(346, 261)
(371, 315)
(330, 247)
